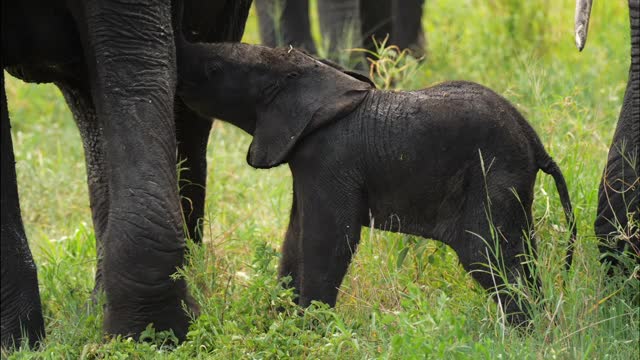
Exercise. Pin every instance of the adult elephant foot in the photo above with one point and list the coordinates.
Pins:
(164, 314)
(20, 308)
(129, 50)
(21, 314)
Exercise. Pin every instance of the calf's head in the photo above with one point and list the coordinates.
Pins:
(277, 95)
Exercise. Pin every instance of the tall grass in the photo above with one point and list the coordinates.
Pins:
(404, 297)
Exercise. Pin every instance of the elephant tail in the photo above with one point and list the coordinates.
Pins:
(550, 167)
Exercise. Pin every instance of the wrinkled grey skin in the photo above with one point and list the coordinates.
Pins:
(115, 64)
(286, 22)
(619, 192)
(400, 161)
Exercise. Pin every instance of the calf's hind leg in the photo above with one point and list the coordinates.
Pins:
(478, 246)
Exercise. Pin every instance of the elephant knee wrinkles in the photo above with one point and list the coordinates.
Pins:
(145, 286)
(150, 201)
(142, 241)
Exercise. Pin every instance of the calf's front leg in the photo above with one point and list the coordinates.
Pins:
(289, 263)
(329, 233)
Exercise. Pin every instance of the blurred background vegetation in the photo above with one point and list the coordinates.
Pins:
(403, 297)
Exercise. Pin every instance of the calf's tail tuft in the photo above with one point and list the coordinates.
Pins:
(550, 167)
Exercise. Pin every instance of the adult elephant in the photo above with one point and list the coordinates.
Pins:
(284, 22)
(619, 192)
(115, 63)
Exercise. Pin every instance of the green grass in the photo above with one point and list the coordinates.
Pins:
(403, 297)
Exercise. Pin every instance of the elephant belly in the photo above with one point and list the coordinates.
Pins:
(40, 33)
(418, 204)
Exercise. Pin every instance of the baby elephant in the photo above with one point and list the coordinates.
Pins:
(454, 162)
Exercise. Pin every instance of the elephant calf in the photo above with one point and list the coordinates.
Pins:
(428, 159)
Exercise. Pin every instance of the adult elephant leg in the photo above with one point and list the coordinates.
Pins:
(84, 113)
(340, 25)
(192, 132)
(407, 26)
(131, 60)
(285, 22)
(376, 22)
(619, 194)
(20, 308)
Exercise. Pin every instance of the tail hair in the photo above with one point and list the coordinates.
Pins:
(550, 167)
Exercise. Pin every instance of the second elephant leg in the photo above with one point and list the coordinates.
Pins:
(407, 26)
(285, 22)
(192, 133)
(84, 113)
(619, 193)
(376, 22)
(340, 25)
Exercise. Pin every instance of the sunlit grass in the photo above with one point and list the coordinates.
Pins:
(404, 297)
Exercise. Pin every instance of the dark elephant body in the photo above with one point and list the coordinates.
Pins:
(402, 146)
(412, 162)
(448, 162)
(115, 64)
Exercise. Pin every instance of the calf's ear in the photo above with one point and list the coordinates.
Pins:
(305, 103)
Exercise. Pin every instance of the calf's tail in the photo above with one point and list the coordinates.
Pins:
(550, 167)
